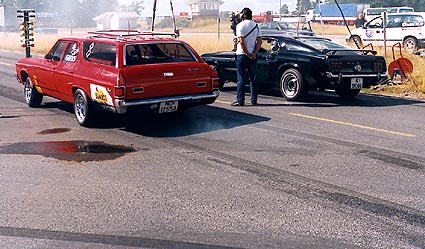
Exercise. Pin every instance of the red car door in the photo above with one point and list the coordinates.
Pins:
(44, 74)
(64, 74)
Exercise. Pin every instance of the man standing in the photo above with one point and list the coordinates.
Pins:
(360, 21)
(249, 43)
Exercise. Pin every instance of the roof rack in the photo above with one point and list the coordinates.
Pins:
(124, 33)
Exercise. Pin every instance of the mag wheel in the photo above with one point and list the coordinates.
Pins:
(32, 97)
(82, 108)
(292, 85)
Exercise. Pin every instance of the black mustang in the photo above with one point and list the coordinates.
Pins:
(296, 65)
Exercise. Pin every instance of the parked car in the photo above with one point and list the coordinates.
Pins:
(285, 28)
(407, 29)
(117, 71)
(296, 65)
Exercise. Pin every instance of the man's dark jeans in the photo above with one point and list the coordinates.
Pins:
(246, 72)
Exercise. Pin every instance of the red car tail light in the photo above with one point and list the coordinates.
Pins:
(119, 91)
(215, 83)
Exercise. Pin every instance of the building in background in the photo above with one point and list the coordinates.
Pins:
(204, 8)
(117, 20)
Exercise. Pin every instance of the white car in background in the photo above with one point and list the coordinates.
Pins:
(407, 29)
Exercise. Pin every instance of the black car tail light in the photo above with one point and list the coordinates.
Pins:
(378, 67)
(335, 66)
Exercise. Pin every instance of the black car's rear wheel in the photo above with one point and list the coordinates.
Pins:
(32, 97)
(82, 108)
(292, 85)
(347, 93)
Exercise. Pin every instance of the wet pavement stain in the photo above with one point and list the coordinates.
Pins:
(77, 151)
(54, 131)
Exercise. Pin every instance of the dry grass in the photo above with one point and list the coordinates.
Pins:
(413, 86)
(12, 41)
(330, 29)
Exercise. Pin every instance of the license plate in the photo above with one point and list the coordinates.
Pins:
(356, 83)
(168, 106)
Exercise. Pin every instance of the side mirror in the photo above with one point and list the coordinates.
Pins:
(48, 57)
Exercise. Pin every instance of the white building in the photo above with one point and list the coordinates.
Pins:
(204, 8)
(117, 20)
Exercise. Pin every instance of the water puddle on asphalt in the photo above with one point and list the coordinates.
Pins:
(77, 151)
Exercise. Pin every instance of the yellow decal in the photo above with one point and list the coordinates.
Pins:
(100, 96)
(36, 84)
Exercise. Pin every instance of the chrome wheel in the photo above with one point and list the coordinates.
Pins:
(82, 108)
(292, 85)
(32, 97)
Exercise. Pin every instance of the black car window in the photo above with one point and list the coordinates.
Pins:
(57, 51)
(71, 52)
(266, 46)
(100, 53)
(151, 53)
(296, 46)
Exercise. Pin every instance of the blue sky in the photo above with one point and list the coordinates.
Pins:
(257, 6)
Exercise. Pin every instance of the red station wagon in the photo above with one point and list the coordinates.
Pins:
(118, 70)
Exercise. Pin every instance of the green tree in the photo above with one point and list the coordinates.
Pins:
(136, 6)
(284, 9)
(303, 6)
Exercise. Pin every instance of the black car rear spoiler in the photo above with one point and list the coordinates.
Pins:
(334, 51)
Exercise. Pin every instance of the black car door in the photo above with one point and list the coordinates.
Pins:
(267, 62)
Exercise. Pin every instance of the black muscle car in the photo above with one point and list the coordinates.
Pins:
(296, 65)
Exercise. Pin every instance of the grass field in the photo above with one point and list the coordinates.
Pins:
(210, 36)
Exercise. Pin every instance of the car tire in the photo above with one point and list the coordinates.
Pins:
(347, 93)
(292, 85)
(356, 39)
(32, 97)
(83, 108)
(410, 44)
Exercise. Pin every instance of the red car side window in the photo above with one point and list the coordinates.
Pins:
(100, 53)
(71, 53)
(57, 51)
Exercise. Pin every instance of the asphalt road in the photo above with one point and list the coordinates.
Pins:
(323, 173)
